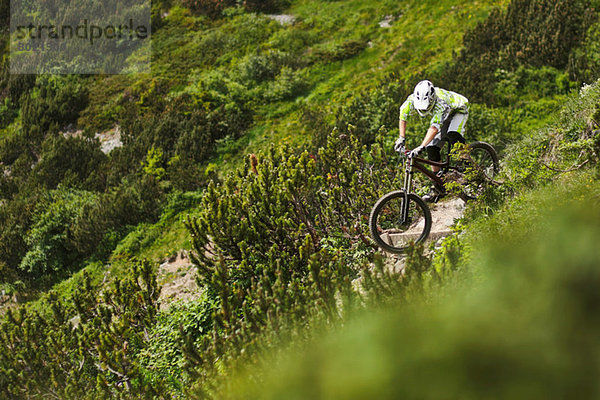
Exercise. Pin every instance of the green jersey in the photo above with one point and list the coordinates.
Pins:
(446, 102)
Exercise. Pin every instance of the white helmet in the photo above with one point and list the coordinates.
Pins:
(424, 97)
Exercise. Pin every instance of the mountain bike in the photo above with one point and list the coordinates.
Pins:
(401, 217)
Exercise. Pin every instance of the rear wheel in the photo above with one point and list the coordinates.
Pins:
(393, 232)
(480, 168)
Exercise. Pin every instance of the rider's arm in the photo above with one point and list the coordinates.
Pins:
(402, 128)
(404, 113)
(431, 132)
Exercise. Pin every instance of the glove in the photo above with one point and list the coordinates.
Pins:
(399, 145)
(415, 152)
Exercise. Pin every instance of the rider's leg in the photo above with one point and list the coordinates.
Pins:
(434, 154)
(455, 137)
(456, 128)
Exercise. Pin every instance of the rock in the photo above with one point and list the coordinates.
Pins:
(178, 278)
(110, 139)
(386, 22)
(283, 19)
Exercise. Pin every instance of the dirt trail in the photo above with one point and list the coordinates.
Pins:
(177, 276)
(443, 215)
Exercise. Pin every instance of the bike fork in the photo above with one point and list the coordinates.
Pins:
(408, 172)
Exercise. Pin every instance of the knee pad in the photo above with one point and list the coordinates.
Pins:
(433, 153)
(455, 137)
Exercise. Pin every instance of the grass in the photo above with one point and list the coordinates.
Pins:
(393, 50)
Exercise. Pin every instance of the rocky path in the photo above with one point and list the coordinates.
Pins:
(177, 276)
(443, 214)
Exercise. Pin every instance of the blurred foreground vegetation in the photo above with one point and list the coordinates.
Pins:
(517, 321)
(287, 272)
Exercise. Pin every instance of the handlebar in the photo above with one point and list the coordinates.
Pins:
(405, 153)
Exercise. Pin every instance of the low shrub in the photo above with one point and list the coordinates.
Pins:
(536, 34)
(53, 104)
(87, 347)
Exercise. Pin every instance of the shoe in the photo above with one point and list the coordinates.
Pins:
(434, 195)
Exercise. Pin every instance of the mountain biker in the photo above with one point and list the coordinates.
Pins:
(449, 113)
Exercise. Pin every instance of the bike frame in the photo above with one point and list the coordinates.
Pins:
(418, 164)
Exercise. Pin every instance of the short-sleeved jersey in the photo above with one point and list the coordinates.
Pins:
(447, 101)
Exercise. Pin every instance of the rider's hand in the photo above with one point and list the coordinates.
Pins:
(415, 152)
(399, 145)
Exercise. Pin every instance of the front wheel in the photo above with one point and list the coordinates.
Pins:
(393, 227)
(480, 169)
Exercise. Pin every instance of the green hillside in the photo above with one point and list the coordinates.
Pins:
(259, 141)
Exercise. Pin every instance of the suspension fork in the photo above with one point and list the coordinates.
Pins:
(408, 175)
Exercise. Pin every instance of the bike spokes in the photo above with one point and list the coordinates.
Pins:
(482, 160)
(395, 223)
(480, 169)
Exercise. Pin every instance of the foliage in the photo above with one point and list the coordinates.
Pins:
(541, 260)
(145, 235)
(530, 33)
(584, 64)
(215, 8)
(369, 111)
(526, 83)
(343, 51)
(49, 234)
(162, 355)
(48, 239)
(495, 125)
(5, 12)
(281, 245)
(567, 145)
(72, 161)
(54, 104)
(86, 349)
(15, 219)
(269, 237)
(153, 164)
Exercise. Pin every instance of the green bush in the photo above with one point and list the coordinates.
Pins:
(12, 87)
(87, 347)
(163, 356)
(529, 33)
(54, 103)
(290, 229)
(8, 112)
(186, 128)
(139, 238)
(15, 219)
(49, 247)
(292, 41)
(73, 161)
(584, 64)
(287, 85)
(256, 68)
(537, 256)
(12, 146)
(214, 8)
(339, 52)
(101, 224)
(371, 110)
(5, 12)
(530, 83)
(497, 126)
